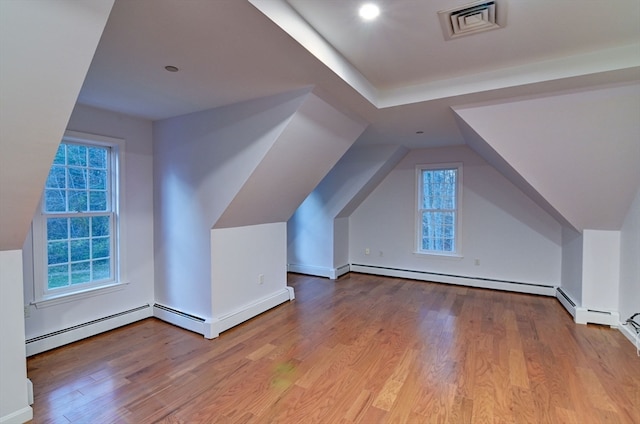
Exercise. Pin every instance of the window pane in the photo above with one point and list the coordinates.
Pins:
(76, 155)
(100, 247)
(80, 273)
(97, 201)
(97, 179)
(58, 276)
(55, 200)
(439, 189)
(56, 177)
(61, 155)
(79, 227)
(100, 226)
(57, 252)
(101, 269)
(80, 250)
(57, 228)
(77, 178)
(78, 201)
(98, 157)
(438, 231)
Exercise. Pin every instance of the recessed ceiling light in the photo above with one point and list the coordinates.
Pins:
(369, 11)
(171, 68)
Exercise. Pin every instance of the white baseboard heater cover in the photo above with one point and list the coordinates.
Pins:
(318, 271)
(582, 315)
(182, 319)
(481, 282)
(74, 333)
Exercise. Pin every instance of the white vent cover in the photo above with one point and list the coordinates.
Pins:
(473, 18)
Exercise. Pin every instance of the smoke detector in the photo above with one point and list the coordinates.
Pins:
(472, 18)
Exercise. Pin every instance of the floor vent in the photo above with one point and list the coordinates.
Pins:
(472, 18)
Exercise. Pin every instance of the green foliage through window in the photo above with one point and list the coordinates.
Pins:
(79, 221)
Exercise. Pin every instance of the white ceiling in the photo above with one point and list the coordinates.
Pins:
(397, 72)
(405, 46)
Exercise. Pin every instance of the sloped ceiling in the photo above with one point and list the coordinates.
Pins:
(309, 146)
(45, 51)
(580, 151)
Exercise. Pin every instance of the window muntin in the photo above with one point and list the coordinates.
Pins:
(75, 235)
(438, 205)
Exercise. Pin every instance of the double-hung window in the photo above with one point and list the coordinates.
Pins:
(438, 202)
(76, 230)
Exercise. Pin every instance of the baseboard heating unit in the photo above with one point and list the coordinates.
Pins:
(74, 333)
(461, 280)
(566, 301)
(318, 271)
(182, 319)
(582, 315)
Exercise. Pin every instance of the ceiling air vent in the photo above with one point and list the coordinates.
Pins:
(473, 18)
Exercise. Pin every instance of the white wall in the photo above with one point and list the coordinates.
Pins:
(14, 405)
(340, 242)
(512, 237)
(137, 237)
(318, 232)
(571, 282)
(629, 291)
(310, 235)
(248, 264)
(201, 162)
(600, 270)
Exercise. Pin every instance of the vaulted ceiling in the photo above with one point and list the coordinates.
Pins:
(401, 74)
(398, 72)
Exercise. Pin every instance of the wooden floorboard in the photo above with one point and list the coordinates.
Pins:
(362, 349)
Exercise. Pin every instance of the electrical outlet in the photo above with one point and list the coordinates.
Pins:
(381, 254)
(27, 311)
(261, 279)
(477, 262)
(367, 251)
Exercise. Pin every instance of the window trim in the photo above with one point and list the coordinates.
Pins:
(418, 216)
(42, 296)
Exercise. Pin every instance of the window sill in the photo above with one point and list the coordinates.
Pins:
(59, 299)
(453, 256)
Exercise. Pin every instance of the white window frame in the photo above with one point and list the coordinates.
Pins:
(457, 253)
(43, 296)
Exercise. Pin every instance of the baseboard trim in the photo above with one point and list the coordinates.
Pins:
(484, 283)
(250, 310)
(18, 417)
(319, 271)
(65, 336)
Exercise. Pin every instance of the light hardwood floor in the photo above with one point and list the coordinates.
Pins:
(362, 349)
